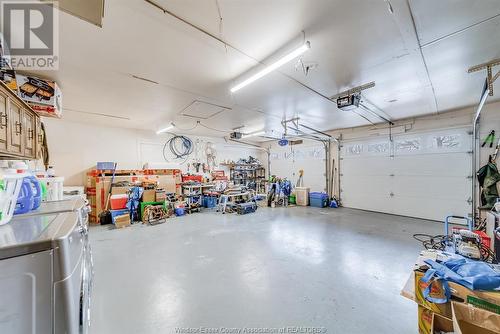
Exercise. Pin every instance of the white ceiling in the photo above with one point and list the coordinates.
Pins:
(353, 42)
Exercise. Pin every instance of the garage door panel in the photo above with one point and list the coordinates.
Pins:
(424, 175)
(368, 202)
(427, 208)
(365, 166)
(432, 186)
(368, 184)
(449, 164)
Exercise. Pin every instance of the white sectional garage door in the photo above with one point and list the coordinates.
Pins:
(425, 175)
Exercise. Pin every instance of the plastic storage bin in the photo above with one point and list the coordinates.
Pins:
(318, 200)
(10, 186)
(105, 165)
(209, 202)
(118, 202)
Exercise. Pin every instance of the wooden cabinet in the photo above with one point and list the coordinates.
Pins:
(38, 138)
(20, 127)
(15, 121)
(4, 108)
(29, 136)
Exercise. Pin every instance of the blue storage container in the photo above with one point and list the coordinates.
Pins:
(116, 213)
(209, 202)
(318, 200)
(180, 212)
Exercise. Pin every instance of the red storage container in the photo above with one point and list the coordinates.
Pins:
(118, 202)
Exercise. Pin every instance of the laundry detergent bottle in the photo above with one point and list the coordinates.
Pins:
(36, 188)
(25, 200)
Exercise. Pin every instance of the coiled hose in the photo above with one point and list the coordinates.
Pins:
(180, 146)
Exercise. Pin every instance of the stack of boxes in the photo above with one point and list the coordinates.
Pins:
(468, 311)
(98, 183)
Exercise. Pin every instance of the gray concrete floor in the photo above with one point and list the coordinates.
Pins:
(338, 269)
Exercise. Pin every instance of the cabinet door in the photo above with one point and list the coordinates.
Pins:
(29, 134)
(15, 142)
(38, 137)
(3, 122)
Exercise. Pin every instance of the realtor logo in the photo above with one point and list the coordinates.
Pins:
(30, 34)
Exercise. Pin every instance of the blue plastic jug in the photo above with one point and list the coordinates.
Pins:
(25, 199)
(36, 188)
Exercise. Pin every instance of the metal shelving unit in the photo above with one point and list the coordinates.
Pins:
(248, 175)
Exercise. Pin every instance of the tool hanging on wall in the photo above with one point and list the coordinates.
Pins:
(493, 158)
(300, 181)
(489, 139)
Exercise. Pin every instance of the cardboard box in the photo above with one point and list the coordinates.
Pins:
(436, 292)
(44, 96)
(122, 221)
(441, 324)
(149, 195)
(120, 190)
(161, 195)
(432, 323)
(468, 319)
(424, 320)
(486, 300)
(8, 77)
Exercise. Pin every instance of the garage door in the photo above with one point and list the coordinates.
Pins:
(309, 157)
(425, 175)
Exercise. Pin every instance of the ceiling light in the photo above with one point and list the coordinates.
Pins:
(253, 134)
(170, 127)
(294, 54)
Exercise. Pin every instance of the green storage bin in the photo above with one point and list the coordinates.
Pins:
(143, 205)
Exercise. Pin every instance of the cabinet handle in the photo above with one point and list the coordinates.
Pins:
(31, 134)
(40, 138)
(20, 127)
(3, 120)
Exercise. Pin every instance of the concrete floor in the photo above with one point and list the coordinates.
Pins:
(337, 269)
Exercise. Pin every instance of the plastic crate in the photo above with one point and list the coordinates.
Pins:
(318, 200)
(105, 165)
(209, 202)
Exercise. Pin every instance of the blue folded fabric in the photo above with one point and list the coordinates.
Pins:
(474, 275)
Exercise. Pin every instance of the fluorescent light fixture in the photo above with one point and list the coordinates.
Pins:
(294, 54)
(253, 134)
(170, 127)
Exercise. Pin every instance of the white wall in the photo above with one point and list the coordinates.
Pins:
(75, 148)
(310, 157)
